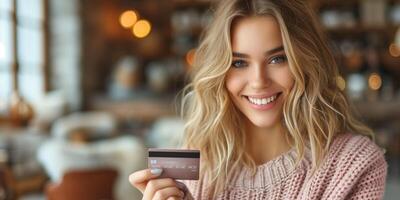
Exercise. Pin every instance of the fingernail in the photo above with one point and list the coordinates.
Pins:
(156, 171)
(130, 178)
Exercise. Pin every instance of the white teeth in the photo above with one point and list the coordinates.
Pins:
(262, 101)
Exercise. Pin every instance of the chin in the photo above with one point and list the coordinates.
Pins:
(265, 123)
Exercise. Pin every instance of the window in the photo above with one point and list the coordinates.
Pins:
(6, 52)
(30, 48)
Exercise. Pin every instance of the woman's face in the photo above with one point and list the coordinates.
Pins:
(259, 78)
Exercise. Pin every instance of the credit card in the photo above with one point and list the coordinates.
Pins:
(179, 164)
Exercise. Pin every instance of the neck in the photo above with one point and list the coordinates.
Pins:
(265, 144)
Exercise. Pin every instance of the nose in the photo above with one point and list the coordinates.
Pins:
(259, 78)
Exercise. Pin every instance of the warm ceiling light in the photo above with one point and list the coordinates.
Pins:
(142, 28)
(375, 81)
(190, 56)
(128, 18)
(394, 50)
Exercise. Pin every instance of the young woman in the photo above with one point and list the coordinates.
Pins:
(266, 112)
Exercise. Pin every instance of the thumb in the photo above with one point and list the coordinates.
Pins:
(140, 178)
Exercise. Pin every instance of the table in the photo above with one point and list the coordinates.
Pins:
(18, 165)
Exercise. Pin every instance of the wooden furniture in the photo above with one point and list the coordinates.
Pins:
(20, 173)
(4, 182)
(15, 188)
(90, 184)
(379, 35)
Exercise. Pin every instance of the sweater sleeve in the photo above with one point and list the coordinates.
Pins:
(371, 184)
(195, 189)
(187, 187)
(188, 194)
(355, 169)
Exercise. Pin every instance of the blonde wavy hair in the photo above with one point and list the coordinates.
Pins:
(315, 109)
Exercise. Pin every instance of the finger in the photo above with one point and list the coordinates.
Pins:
(140, 178)
(181, 186)
(165, 193)
(157, 184)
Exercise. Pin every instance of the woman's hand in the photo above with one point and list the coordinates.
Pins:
(152, 188)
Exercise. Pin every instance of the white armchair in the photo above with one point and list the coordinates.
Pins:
(166, 132)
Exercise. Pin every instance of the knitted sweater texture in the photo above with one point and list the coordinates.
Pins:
(354, 168)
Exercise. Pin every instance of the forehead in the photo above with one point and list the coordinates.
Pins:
(255, 33)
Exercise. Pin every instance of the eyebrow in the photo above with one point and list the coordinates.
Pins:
(269, 52)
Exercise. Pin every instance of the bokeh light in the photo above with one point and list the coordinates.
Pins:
(190, 56)
(128, 18)
(374, 81)
(394, 50)
(341, 83)
(142, 28)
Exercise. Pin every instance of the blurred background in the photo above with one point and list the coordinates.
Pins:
(86, 86)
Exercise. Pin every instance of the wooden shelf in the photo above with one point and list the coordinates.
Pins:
(191, 3)
(144, 110)
(341, 3)
(388, 31)
(379, 110)
(335, 3)
(391, 63)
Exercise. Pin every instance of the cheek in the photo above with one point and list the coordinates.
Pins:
(233, 83)
(289, 83)
(285, 79)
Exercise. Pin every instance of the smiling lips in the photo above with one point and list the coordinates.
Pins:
(262, 101)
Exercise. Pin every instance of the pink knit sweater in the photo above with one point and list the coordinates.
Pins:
(355, 168)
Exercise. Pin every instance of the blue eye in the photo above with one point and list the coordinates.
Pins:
(239, 63)
(278, 59)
